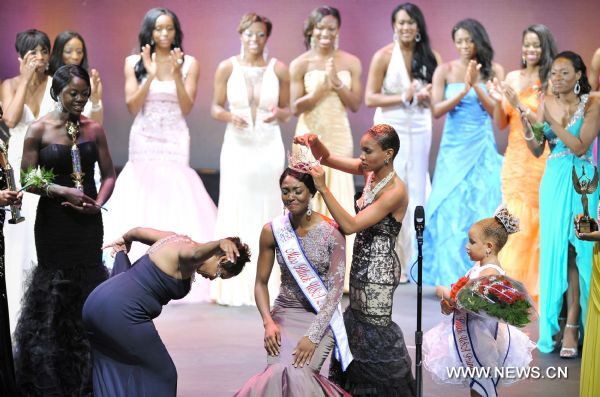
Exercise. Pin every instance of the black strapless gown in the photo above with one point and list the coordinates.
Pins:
(52, 352)
(130, 359)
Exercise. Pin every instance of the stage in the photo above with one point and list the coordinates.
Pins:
(217, 348)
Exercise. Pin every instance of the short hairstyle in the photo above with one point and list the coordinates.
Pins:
(386, 136)
(145, 35)
(315, 17)
(483, 46)
(307, 179)
(548, 49)
(250, 18)
(56, 58)
(64, 75)
(235, 268)
(29, 39)
(579, 66)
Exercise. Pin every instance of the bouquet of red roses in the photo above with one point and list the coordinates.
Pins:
(497, 296)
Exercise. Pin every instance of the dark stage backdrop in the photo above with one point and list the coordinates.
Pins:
(110, 29)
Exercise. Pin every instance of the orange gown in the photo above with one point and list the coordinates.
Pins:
(521, 176)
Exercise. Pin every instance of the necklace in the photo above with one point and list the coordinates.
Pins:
(369, 192)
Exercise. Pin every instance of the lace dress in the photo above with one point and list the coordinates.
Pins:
(324, 247)
(381, 366)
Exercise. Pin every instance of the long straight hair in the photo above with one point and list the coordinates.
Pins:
(483, 46)
(548, 50)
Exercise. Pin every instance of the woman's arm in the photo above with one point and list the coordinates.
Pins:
(264, 265)
(486, 100)
(135, 93)
(281, 112)
(107, 170)
(14, 91)
(439, 106)
(301, 101)
(185, 88)
(389, 202)
(589, 130)
(377, 71)
(350, 97)
(595, 70)
(96, 109)
(145, 235)
(320, 151)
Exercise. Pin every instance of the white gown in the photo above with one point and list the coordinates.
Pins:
(157, 188)
(413, 125)
(252, 160)
(20, 255)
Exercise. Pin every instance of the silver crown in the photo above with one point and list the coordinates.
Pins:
(302, 161)
(508, 220)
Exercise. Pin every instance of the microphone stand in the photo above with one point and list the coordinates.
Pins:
(419, 227)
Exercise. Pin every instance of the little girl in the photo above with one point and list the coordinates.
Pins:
(483, 344)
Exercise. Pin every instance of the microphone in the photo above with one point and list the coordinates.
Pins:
(419, 221)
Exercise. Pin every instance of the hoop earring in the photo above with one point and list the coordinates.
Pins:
(395, 37)
(313, 42)
(336, 42)
(577, 88)
(418, 37)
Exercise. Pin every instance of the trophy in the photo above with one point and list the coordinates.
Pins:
(10, 183)
(584, 186)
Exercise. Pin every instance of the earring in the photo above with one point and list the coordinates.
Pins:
(523, 61)
(395, 37)
(386, 161)
(151, 42)
(336, 42)
(266, 53)
(309, 210)
(418, 37)
(47, 67)
(313, 42)
(488, 252)
(59, 106)
(577, 88)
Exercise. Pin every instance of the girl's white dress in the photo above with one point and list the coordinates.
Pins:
(495, 344)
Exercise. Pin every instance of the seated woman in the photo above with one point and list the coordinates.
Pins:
(300, 330)
(130, 359)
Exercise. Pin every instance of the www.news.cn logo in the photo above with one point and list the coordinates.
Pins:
(508, 372)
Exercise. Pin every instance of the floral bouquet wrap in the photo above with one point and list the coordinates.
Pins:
(497, 296)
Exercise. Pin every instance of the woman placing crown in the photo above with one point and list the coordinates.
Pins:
(381, 365)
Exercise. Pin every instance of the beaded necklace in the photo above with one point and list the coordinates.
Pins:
(369, 192)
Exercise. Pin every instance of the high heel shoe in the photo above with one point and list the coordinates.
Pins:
(570, 352)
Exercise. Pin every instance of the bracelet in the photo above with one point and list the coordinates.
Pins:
(47, 190)
(528, 139)
(96, 107)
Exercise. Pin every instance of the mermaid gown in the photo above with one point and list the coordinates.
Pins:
(329, 120)
(130, 359)
(292, 312)
(251, 163)
(559, 204)
(52, 355)
(381, 366)
(521, 176)
(20, 255)
(157, 188)
(466, 188)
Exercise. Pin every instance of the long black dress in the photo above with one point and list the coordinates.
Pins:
(381, 366)
(130, 359)
(53, 354)
(7, 371)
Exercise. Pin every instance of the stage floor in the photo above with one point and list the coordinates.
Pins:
(217, 348)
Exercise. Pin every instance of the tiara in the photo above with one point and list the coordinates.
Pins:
(508, 220)
(300, 160)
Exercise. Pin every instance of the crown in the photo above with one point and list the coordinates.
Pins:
(508, 220)
(302, 161)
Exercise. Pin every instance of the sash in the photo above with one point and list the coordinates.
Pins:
(310, 283)
(464, 348)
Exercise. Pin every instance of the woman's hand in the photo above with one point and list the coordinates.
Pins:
(95, 86)
(318, 174)
(176, 61)
(447, 306)
(272, 339)
(592, 236)
(78, 200)
(120, 244)
(229, 248)
(27, 65)
(331, 73)
(472, 73)
(303, 352)
(149, 61)
(238, 121)
(511, 95)
(9, 197)
(424, 95)
(306, 140)
(495, 90)
(277, 114)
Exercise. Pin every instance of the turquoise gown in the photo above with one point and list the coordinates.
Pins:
(466, 188)
(559, 204)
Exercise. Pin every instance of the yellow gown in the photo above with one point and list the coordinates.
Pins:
(589, 381)
(521, 176)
